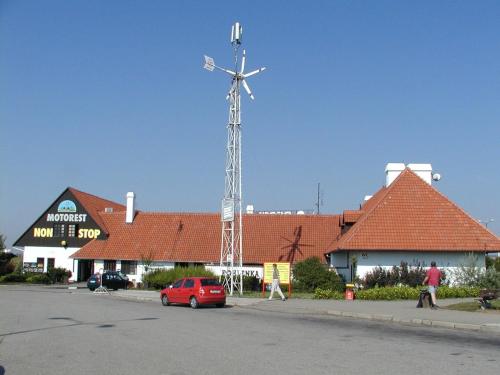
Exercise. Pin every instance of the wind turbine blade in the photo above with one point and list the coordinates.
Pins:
(209, 63)
(230, 72)
(254, 72)
(243, 62)
(247, 89)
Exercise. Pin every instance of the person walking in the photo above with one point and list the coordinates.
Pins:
(276, 283)
(432, 279)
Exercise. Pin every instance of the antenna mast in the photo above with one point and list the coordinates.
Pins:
(231, 255)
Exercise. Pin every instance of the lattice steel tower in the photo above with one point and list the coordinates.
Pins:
(231, 255)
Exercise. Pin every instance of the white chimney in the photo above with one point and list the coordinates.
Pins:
(129, 218)
(392, 171)
(424, 171)
(250, 209)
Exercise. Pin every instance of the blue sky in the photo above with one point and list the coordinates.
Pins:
(110, 97)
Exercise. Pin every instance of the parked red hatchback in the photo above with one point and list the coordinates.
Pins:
(194, 291)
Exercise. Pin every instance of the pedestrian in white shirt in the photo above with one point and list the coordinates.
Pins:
(276, 283)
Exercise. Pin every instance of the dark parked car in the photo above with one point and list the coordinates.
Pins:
(194, 291)
(110, 279)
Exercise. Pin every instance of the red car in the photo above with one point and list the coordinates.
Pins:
(194, 291)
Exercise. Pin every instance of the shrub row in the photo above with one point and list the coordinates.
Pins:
(402, 274)
(55, 275)
(159, 279)
(34, 278)
(399, 293)
(327, 294)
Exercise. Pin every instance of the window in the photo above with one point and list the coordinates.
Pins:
(72, 230)
(58, 230)
(189, 284)
(210, 282)
(110, 265)
(129, 267)
(40, 262)
(178, 283)
(50, 263)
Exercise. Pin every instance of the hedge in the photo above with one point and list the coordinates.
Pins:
(399, 293)
(40, 278)
(13, 278)
(159, 279)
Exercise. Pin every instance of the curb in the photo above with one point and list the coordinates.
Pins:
(494, 328)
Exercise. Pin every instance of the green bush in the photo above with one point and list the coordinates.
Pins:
(58, 274)
(490, 279)
(251, 284)
(13, 278)
(457, 291)
(399, 275)
(327, 294)
(493, 263)
(40, 278)
(311, 274)
(388, 293)
(6, 264)
(159, 278)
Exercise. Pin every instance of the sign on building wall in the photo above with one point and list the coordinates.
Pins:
(32, 267)
(65, 223)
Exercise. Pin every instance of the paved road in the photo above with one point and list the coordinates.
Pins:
(51, 331)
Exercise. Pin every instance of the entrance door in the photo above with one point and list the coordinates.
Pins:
(84, 269)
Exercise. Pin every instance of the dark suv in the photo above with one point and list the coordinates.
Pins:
(110, 279)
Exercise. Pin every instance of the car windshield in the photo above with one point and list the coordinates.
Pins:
(210, 282)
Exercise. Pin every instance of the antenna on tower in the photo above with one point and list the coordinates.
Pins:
(231, 258)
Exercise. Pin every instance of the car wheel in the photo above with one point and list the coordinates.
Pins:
(220, 305)
(193, 302)
(164, 300)
(91, 289)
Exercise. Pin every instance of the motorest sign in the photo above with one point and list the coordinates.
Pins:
(66, 223)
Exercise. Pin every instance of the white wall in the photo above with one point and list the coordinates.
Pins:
(257, 271)
(59, 253)
(368, 260)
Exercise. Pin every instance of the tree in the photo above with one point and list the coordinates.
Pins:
(2, 242)
(147, 260)
(5, 258)
(468, 272)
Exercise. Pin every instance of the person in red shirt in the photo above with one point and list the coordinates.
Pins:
(432, 279)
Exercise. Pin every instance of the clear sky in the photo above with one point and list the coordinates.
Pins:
(110, 97)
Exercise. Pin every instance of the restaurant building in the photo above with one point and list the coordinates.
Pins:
(406, 220)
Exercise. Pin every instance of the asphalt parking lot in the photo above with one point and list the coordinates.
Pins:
(57, 331)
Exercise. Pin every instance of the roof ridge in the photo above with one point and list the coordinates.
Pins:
(73, 190)
(357, 225)
(482, 234)
(484, 228)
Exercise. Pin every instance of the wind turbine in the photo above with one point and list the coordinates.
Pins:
(231, 259)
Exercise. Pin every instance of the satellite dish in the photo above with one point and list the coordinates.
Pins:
(436, 176)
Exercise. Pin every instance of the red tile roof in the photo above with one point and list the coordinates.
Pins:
(188, 237)
(351, 216)
(409, 215)
(94, 205)
(412, 215)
